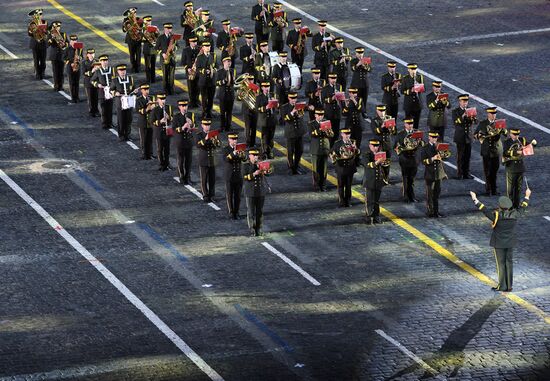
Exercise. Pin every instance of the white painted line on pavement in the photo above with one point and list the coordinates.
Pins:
(434, 77)
(131, 144)
(8, 52)
(547, 218)
(289, 262)
(454, 166)
(213, 206)
(198, 194)
(107, 274)
(158, 2)
(60, 92)
(409, 354)
(113, 131)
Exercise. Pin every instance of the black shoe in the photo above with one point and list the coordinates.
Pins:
(438, 215)
(377, 220)
(184, 182)
(322, 189)
(497, 289)
(368, 221)
(341, 205)
(300, 171)
(252, 233)
(212, 199)
(153, 156)
(430, 215)
(160, 168)
(407, 200)
(169, 167)
(206, 199)
(415, 200)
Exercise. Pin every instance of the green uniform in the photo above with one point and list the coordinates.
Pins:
(503, 241)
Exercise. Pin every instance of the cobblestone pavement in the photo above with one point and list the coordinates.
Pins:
(386, 306)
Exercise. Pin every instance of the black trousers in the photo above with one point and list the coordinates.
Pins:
(250, 124)
(268, 133)
(298, 59)
(124, 119)
(146, 142)
(433, 190)
(193, 90)
(277, 45)
(150, 63)
(226, 113)
(363, 94)
(344, 188)
(39, 57)
(320, 165)
(490, 169)
(92, 99)
(342, 80)
(57, 72)
(408, 174)
(233, 191)
(106, 109)
(324, 71)
(373, 202)
(208, 181)
(184, 157)
(335, 125)
(415, 114)
(163, 151)
(294, 151)
(260, 36)
(74, 82)
(134, 47)
(514, 182)
(168, 72)
(254, 212)
(505, 268)
(392, 109)
(207, 100)
(463, 153)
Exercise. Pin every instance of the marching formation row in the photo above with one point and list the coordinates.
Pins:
(268, 87)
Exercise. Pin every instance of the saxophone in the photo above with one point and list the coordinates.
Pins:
(170, 51)
(301, 44)
(75, 65)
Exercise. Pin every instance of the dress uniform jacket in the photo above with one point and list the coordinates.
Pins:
(321, 58)
(204, 63)
(320, 143)
(407, 159)
(207, 150)
(162, 45)
(340, 68)
(222, 42)
(294, 124)
(491, 147)
(331, 106)
(232, 165)
(433, 169)
(463, 127)
(384, 134)
(261, 26)
(390, 96)
(354, 121)
(265, 116)
(226, 90)
(344, 166)
(360, 78)
(373, 177)
(55, 53)
(437, 117)
(310, 89)
(86, 68)
(413, 101)
(157, 114)
(277, 34)
(245, 52)
(254, 186)
(511, 161)
(68, 56)
(183, 138)
(124, 86)
(104, 77)
(504, 225)
(143, 119)
(188, 56)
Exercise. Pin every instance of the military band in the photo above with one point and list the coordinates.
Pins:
(122, 87)
(411, 89)
(161, 118)
(260, 15)
(278, 21)
(225, 81)
(390, 82)
(345, 156)
(150, 35)
(188, 20)
(321, 43)
(434, 173)
(73, 61)
(360, 78)
(57, 42)
(512, 158)
(437, 110)
(167, 45)
(339, 58)
(407, 146)
(463, 136)
(384, 133)
(102, 79)
(189, 62)
(233, 158)
(374, 179)
(319, 149)
(266, 119)
(352, 112)
(89, 67)
(331, 104)
(206, 69)
(296, 41)
(255, 190)
(294, 132)
(207, 143)
(132, 26)
(312, 92)
(247, 53)
(144, 105)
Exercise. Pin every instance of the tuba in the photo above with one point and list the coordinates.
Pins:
(35, 31)
(191, 19)
(150, 37)
(58, 38)
(244, 92)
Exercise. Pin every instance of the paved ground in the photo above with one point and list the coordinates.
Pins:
(406, 300)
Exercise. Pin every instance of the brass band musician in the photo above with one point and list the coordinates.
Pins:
(432, 157)
(57, 41)
(406, 146)
(512, 159)
(133, 27)
(345, 156)
(38, 33)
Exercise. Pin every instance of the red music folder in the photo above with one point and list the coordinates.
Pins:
(304, 30)
(300, 105)
(152, 29)
(442, 96)
(417, 135)
(240, 147)
(340, 95)
(169, 131)
(366, 60)
(42, 27)
(500, 123)
(264, 166)
(213, 134)
(390, 123)
(272, 103)
(236, 30)
(419, 88)
(442, 146)
(471, 112)
(325, 125)
(528, 150)
(252, 86)
(176, 37)
(278, 13)
(380, 155)
(78, 45)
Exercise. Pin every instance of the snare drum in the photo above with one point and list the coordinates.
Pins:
(107, 93)
(295, 76)
(128, 101)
